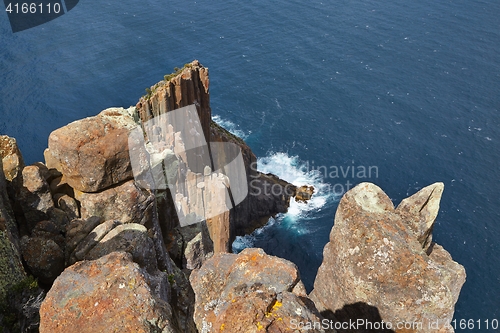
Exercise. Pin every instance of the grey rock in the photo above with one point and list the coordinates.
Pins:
(130, 237)
(34, 197)
(126, 203)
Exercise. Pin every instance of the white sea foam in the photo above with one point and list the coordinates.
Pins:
(230, 126)
(293, 170)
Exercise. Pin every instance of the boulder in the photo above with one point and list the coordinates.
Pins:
(377, 267)
(420, 211)
(50, 230)
(93, 153)
(126, 203)
(76, 231)
(197, 245)
(91, 240)
(12, 159)
(35, 197)
(130, 237)
(110, 294)
(250, 292)
(68, 205)
(304, 193)
(44, 257)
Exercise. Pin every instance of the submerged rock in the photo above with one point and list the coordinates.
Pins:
(111, 294)
(377, 267)
(304, 193)
(250, 292)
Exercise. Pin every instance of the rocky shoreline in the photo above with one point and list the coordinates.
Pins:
(87, 244)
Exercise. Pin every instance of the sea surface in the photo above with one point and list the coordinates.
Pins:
(408, 90)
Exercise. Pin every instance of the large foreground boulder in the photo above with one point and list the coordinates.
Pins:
(111, 294)
(380, 265)
(250, 292)
(93, 153)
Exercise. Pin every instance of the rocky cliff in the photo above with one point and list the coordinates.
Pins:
(381, 265)
(127, 225)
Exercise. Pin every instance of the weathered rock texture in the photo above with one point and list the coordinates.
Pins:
(12, 159)
(250, 292)
(111, 294)
(126, 203)
(93, 153)
(378, 263)
(34, 196)
(44, 257)
(11, 268)
(186, 87)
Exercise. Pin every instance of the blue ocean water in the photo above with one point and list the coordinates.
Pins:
(412, 89)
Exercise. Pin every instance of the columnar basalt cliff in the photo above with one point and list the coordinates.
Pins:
(190, 86)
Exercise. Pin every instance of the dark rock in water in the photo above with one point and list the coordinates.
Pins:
(304, 193)
(250, 292)
(93, 153)
(110, 294)
(377, 263)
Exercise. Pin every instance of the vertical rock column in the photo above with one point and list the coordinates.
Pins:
(189, 86)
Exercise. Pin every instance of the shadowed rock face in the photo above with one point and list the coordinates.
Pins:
(250, 292)
(111, 294)
(380, 257)
(11, 268)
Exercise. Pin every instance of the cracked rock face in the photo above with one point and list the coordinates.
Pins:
(250, 292)
(380, 263)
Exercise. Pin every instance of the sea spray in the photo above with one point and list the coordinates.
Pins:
(300, 217)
